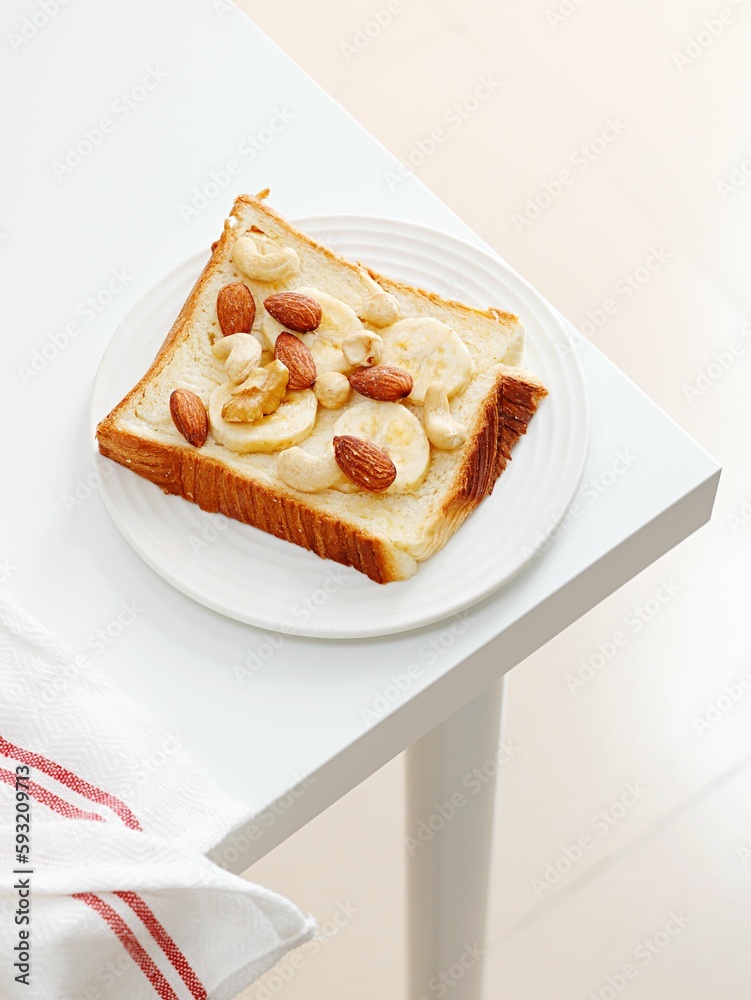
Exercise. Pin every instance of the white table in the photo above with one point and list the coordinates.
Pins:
(174, 108)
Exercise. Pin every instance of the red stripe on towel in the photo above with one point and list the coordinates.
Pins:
(66, 777)
(130, 943)
(48, 798)
(165, 942)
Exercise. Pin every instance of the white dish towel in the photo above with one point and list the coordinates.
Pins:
(107, 821)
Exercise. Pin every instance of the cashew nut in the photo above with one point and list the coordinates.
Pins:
(243, 358)
(442, 429)
(263, 263)
(308, 473)
(260, 394)
(362, 349)
(381, 309)
(223, 347)
(333, 390)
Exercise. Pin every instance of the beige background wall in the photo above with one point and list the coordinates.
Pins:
(636, 117)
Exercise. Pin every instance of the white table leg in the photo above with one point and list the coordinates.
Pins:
(450, 797)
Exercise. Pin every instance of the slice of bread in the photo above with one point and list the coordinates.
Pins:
(384, 535)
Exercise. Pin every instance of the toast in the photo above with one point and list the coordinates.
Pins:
(372, 457)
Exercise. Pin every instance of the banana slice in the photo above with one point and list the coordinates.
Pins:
(394, 428)
(431, 352)
(289, 424)
(325, 343)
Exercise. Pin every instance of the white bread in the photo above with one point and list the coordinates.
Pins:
(383, 535)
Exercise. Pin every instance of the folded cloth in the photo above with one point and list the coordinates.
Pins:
(106, 890)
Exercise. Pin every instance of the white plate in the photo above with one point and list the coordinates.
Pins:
(253, 577)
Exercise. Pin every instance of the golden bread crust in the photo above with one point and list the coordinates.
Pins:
(186, 472)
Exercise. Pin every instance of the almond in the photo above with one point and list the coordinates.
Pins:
(364, 464)
(295, 311)
(235, 309)
(296, 357)
(382, 383)
(189, 416)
